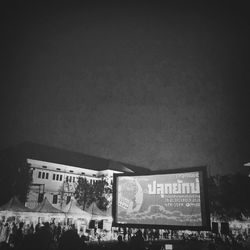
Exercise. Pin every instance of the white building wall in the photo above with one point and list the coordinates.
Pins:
(53, 177)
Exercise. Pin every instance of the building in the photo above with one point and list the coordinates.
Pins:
(55, 172)
(57, 182)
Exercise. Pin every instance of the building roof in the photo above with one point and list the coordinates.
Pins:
(61, 156)
(46, 207)
(94, 210)
(72, 209)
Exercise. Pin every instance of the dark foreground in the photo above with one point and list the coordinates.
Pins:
(167, 245)
(43, 239)
(155, 245)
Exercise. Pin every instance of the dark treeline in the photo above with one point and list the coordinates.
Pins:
(229, 196)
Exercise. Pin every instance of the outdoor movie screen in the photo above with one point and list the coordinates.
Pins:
(173, 198)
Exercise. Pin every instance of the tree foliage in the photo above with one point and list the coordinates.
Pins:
(15, 177)
(98, 192)
(229, 196)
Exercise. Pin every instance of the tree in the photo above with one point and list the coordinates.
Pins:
(228, 195)
(83, 192)
(103, 194)
(15, 176)
(213, 195)
(98, 192)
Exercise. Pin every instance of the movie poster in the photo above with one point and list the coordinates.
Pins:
(169, 199)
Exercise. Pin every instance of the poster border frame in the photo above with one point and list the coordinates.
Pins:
(205, 210)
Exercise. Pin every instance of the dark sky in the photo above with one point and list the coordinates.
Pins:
(155, 85)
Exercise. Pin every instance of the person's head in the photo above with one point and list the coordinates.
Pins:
(119, 238)
(139, 233)
(46, 224)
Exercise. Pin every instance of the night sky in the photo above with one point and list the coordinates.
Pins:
(155, 85)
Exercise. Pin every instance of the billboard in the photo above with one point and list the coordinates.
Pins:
(170, 199)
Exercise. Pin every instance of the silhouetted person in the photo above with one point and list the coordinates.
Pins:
(70, 240)
(156, 234)
(129, 233)
(43, 238)
(13, 232)
(145, 234)
(31, 229)
(18, 238)
(4, 234)
(124, 233)
(58, 232)
(83, 243)
(120, 245)
(28, 243)
(137, 241)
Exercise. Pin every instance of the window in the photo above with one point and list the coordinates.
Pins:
(39, 174)
(58, 169)
(44, 166)
(67, 178)
(43, 175)
(94, 175)
(68, 199)
(73, 179)
(57, 177)
(71, 171)
(70, 179)
(54, 201)
(60, 177)
(54, 177)
(47, 175)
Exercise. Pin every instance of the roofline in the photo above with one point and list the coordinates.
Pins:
(45, 153)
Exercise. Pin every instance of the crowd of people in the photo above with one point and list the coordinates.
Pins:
(21, 236)
(49, 236)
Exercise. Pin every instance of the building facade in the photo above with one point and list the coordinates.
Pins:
(57, 182)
